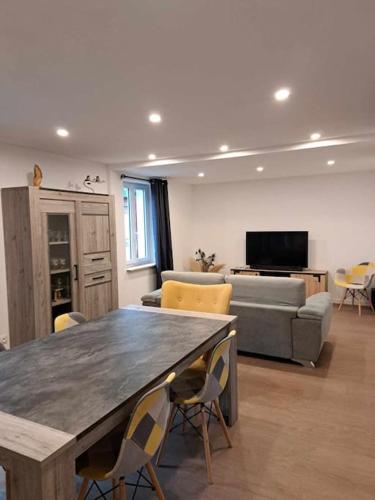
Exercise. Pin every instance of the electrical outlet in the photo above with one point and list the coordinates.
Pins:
(4, 340)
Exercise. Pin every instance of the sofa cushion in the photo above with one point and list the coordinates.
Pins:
(192, 277)
(267, 290)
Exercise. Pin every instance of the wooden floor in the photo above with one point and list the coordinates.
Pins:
(302, 433)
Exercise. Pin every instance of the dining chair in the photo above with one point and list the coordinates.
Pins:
(129, 448)
(68, 320)
(199, 298)
(195, 397)
(355, 282)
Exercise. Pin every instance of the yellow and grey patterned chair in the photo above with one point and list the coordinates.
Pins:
(191, 397)
(355, 282)
(130, 447)
(68, 320)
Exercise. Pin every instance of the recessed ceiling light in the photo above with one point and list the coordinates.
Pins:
(315, 136)
(224, 148)
(282, 94)
(152, 156)
(331, 162)
(260, 169)
(154, 117)
(201, 174)
(62, 132)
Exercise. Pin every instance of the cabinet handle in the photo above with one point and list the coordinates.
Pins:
(97, 258)
(75, 267)
(98, 277)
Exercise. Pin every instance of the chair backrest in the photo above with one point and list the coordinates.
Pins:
(201, 298)
(362, 274)
(68, 320)
(145, 430)
(217, 371)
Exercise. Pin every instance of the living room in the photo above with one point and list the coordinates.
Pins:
(134, 137)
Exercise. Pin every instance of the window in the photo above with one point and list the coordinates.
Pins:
(139, 244)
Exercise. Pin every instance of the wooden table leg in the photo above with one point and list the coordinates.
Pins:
(229, 398)
(28, 479)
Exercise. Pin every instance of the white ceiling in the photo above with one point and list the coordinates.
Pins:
(210, 67)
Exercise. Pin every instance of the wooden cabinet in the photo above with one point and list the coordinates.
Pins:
(315, 281)
(60, 251)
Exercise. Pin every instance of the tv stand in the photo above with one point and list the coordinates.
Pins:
(316, 281)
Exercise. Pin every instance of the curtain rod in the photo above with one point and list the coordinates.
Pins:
(125, 176)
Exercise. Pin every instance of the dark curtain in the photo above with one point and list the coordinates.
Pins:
(162, 227)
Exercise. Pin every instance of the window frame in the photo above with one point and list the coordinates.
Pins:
(149, 260)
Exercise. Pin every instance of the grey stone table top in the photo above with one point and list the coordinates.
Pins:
(72, 380)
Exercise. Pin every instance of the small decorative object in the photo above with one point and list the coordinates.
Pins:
(207, 262)
(38, 176)
(55, 263)
(92, 180)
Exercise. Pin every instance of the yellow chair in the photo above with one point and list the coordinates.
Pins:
(200, 298)
(355, 282)
(191, 397)
(130, 447)
(68, 320)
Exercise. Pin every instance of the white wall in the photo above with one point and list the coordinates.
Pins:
(180, 207)
(16, 167)
(338, 211)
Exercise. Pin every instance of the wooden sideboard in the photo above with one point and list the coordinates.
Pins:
(60, 250)
(316, 280)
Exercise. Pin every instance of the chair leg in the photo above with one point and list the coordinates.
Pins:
(115, 482)
(165, 437)
(184, 421)
(222, 422)
(155, 481)
(343, 298)
(359, 304)
(83, 489)
(122, 489)
(206, 442)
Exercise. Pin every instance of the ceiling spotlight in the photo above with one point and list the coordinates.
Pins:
(282, 94)
(201, 174)
(260, 169)
(315, 136)
(62, 132)
(224, 148)
(154, 117)
(331, 162)
(152, 156)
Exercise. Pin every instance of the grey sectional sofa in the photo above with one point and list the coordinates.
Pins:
(274, 318)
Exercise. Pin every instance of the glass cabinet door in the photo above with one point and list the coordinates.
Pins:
(61, 268)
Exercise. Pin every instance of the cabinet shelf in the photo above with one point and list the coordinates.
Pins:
(59, 271)
(60, 302)
(52, 243)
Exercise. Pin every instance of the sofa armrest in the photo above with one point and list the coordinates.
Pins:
(152, 299)
(317, 306)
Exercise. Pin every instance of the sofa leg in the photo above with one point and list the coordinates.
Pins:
(305, 363)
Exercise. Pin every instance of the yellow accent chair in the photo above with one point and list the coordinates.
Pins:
(68, 320)
(130, 447)
(195, 396)
(356, 282)
(200, 298)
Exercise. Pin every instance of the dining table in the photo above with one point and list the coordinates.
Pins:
(62, 393)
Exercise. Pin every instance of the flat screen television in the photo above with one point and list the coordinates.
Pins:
(277, 249)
